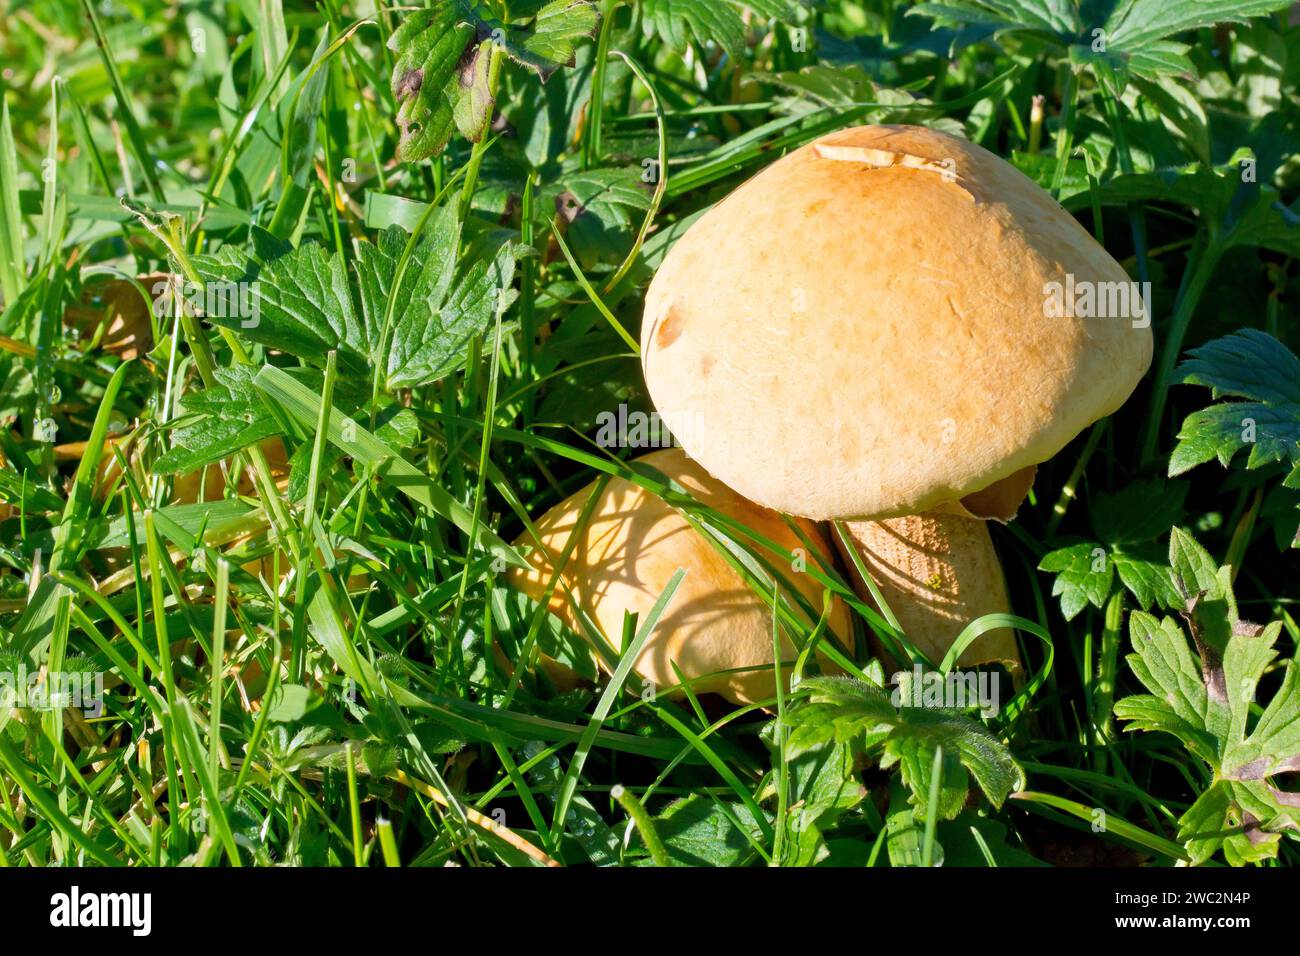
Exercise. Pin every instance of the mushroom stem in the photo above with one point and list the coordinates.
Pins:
(937, 571)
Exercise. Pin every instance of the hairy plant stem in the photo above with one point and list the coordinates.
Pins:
(1107, 666)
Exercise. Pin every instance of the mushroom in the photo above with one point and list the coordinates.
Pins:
(632, 545)
(892, 326)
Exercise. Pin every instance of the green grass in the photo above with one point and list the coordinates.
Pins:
(302, 670)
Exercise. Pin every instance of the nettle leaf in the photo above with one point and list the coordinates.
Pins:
(293, 300)
(680, 22)
(1204, 698)
(441, 77)
(428, 347)
(1252, 365)
(306, 302)
(862, 716)
(218, 422)
(439, 308)
(1127, 525)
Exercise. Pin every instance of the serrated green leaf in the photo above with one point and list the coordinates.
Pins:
(1084, 572)
(680, 22)
(1113, 38)
(1143, 570)
(1205, 700)
(1252, 365)
(1164, 663)
(429, 46)
(967, 746)
(701, 831)
(294, 300)
(861, 716)
(306, 302)
(230, 416)
(1135, 24)
(549, 42)
(1195, 572)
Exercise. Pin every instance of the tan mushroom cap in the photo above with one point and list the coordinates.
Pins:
(630, 549)
(859, 331)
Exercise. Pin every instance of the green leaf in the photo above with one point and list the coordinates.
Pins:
(1141, 511)
(1195, 572)
(1142, 569)
(682, 22)
(430, 344)
(1126, 524)
(861, 716)
(295, 300)
(597, 207)
(1139, 23)
(1084, 572)
(1113, 38)
(218, 422)
(306, 302)
(441, 78)
(825, 786)
(549, 43)
(966, 838)
(966, 747)
(840, 710)
(1204, 700)
(429, 47)
(471, 106)
(701, 831)
(1251, 365)
(1164, 663)
(289, 704)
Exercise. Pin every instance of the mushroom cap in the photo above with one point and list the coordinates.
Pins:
(631, 547)
(862, 329)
